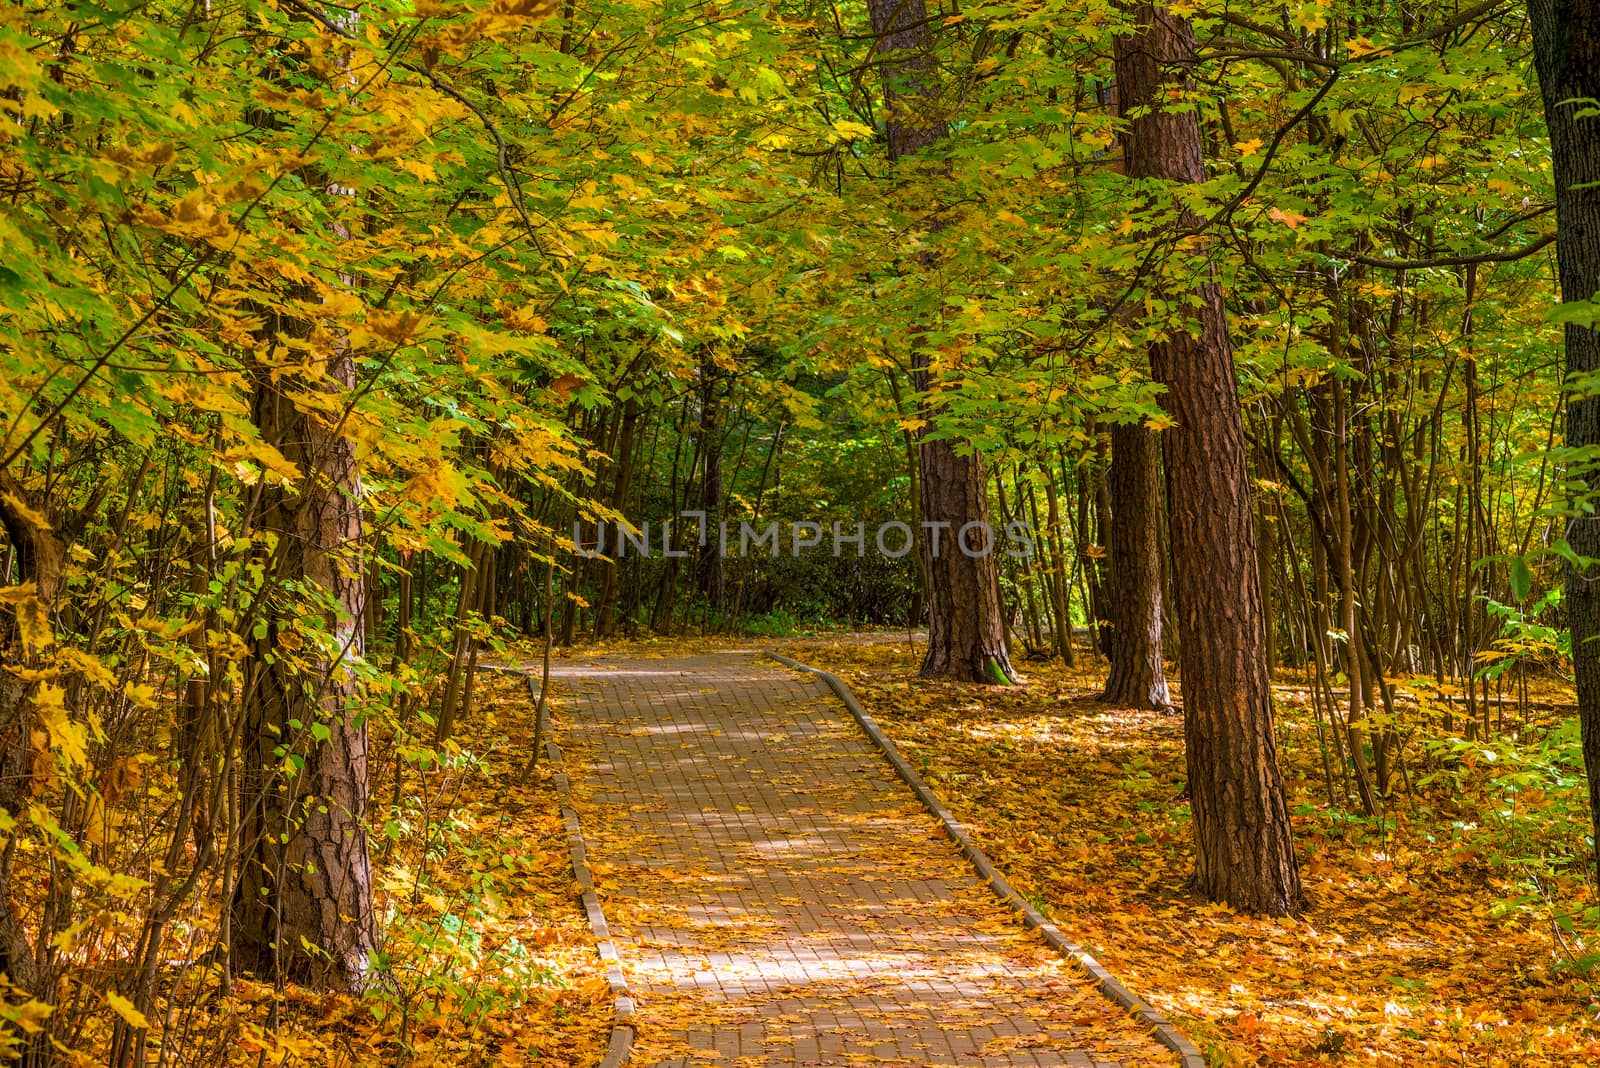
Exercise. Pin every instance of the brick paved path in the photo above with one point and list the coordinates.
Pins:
(779, 898)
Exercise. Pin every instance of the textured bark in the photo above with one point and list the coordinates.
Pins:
(40, 556)
(305, 879)
(1137, 679)
(910, 75)
(966, 632)
(1566, 47)
(1243, 850)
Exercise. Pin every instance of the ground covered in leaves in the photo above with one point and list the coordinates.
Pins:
(491, 962)
(1451, 932)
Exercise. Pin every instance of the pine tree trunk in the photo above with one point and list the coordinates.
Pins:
(1566, 48)
(1137, 678)
(966, 632)
(1243, 851)
(303, 906)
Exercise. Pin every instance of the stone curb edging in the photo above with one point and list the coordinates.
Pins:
(1162, 1028)
(620, 1043)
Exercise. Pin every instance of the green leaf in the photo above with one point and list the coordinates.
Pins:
(1575, 313)
(1521, 578)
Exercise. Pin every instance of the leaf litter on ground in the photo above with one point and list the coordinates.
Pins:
(1417, 945)
(490, 961)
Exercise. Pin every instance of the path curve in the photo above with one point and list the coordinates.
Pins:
(780, 898)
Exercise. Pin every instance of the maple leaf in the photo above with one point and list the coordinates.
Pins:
(124, 1008)
(1290, 219)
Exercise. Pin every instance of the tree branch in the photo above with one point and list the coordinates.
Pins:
(1464, 260)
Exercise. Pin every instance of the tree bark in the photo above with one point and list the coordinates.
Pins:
(39, 556)
(710, 570)
(1137, 678)
(1060, 588)
(966, 631)
(1244, 854)
(303, 906)
(1566, 49)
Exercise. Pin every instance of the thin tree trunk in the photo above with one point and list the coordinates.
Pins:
(467, 596)
(1059, 587)
(605, 613)
(710, 571)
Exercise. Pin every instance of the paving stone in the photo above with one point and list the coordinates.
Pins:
(779, 898)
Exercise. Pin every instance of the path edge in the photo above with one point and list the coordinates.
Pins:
(620, 1043)
(1163, 1029)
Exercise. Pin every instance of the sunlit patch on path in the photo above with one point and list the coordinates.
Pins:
(780, 899)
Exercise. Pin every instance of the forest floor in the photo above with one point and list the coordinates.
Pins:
(1444, 934)
(1452, 932)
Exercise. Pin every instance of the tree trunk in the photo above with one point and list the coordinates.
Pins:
(710, 570)
(39, 556)
(1243, 851)
(1137, 678)
(1566, 49)
(1094, 503)
(1060, 588)
(605, 614)
(966, 632)
(303, 906)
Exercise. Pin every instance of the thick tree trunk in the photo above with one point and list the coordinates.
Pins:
(1243, 850)
(303, 907)
(1566, 48)
(1137, 678)
(966, 632)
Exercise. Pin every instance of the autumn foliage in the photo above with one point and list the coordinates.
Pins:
(334, 337)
